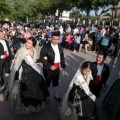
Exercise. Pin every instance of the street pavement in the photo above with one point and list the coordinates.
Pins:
(73, 61)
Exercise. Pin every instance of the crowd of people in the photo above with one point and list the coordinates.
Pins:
(27, 84)
(76, 39)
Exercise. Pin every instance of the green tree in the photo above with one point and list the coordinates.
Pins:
(23, 9)
(60, 6)
(5, 10)
(105, 5)
(49, 7)
(88, 5)
(83, 5)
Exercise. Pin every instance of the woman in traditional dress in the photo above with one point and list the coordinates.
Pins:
(28, 90)
(111, 102)
(79, 102)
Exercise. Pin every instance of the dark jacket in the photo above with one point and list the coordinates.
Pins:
(105, 73)
(2, 51)
(98, 35)
(48, 51)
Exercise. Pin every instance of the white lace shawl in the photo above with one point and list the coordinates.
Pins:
(75, 80)
(17, 63)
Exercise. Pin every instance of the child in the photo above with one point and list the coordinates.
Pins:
(77, 42)
(111, 50)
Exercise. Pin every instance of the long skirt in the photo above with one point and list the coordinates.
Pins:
(111, 102)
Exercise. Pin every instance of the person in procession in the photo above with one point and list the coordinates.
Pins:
(79, 102)
(100, 74)
(28, 92)
(5, 59)
(52, 58)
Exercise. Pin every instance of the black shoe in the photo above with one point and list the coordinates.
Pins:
(58, 99)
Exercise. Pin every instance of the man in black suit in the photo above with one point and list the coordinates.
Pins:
(15, 43)
(100, 74)
(5, 58)
(52, 57)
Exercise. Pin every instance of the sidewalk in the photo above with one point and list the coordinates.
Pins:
(50, 113)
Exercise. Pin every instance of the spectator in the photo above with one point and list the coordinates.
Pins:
(111, 50)
(76, 43)
(103, 31)
(68, 28)
(85, 43)
(98, 36)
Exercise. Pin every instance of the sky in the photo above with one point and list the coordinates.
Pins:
(92, 13)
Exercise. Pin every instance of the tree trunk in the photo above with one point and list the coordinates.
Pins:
(87, 18)
(98, 15)
(27, 19)
(43, 19)
(58, 20)
(98, 20)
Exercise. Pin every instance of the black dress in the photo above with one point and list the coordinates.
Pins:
(33, 88)
(32, 93)
(87, 108)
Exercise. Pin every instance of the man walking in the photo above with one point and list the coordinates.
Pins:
(100, 74)
(52, 57)
(5, 58)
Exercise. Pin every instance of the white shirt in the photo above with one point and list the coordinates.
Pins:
(99, 68)
(57, 53)
(103, 32)
(4, 45)
(78, 39)
(68, 29)
(61, 30)
(75, 31)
